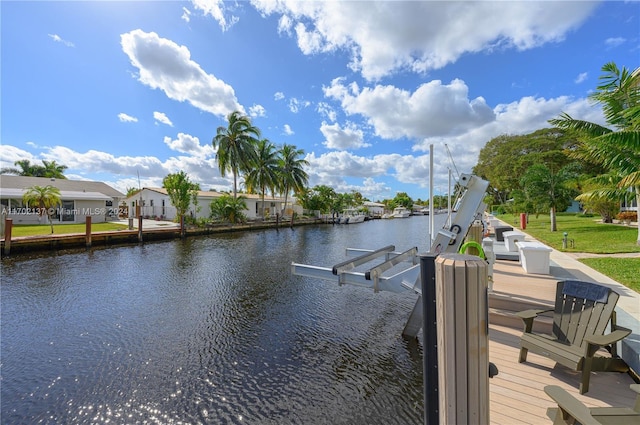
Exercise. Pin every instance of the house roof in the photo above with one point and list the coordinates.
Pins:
(64, 195)
(372, 204)
(211, 194)
(76, 189)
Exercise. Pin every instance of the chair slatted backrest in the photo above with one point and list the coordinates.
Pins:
(582, 308)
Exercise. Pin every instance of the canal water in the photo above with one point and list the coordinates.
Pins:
(210, 330)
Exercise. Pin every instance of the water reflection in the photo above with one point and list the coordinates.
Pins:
(208, 330)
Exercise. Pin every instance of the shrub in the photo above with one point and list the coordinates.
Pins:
(628, 215)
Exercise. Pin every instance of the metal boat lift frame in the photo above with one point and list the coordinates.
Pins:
(382, 277)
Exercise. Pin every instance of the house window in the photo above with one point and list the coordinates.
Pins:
(15, 203)
(68, 212)
(151, 202)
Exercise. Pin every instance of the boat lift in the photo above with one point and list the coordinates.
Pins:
(400, 271)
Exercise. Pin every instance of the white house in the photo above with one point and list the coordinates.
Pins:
(155, 203)
(374, 209)
(79, 200)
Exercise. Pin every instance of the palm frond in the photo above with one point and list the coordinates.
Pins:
(584, 128)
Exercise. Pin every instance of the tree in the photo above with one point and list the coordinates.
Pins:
(235, 146)
(26, 168)
(547, 189)
(53, 170)
(228, 208)
(291, 170)
(44, 199)
(264, 173)
(320, 198)
(617, 149)
(403, 199)
(504, 159)
(132, 191)
(182, 192)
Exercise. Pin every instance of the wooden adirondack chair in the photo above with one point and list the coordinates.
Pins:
(580, 317)
(570, 410)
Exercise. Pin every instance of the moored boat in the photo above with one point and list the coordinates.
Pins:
(351, 216)
(401, 212)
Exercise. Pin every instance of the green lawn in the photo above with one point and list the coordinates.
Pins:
(588, 234)
(61, 229)
(623, 270)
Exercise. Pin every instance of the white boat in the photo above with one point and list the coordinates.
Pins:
(351, 216)
(401, 212)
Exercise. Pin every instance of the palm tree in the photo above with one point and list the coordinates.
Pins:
(263, 174)
(235, 144)
(54, 170)
(617, 150)
(43, 199)
(291, 171)
(26, 168)
(228, 208)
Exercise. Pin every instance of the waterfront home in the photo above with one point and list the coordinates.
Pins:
(374, 209)
(155, 203)
(79, 199)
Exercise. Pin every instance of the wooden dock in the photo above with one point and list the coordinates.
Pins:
(517, 393)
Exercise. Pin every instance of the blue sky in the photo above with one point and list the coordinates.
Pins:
(117, 89)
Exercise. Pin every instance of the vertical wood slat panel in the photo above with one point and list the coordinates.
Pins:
(461, 333)
(445, 317)
(586, 322)
(462, 316)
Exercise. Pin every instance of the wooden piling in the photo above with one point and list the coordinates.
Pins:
(8, 227)
(139, 215)
(87, 233)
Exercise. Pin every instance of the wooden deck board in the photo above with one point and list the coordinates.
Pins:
(517, 392)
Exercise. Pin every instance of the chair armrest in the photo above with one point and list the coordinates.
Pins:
(604, 340)
(569, 406)
(527, 317)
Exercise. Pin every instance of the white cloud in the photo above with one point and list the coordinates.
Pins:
(165, 65)
(257, 111)
(126, 118)
(333, 168)
(216, 9)
(199, 164)
(520, 117)
(186, 15)
(295, 105)
(421, 35)
(343, 163)
(581, 78)
(325, 110)
(344, 138)
(614, 42)
(287, 130)
(162, 118)
(58, 39)
(434, 109)
(278, 95)
(189, 144)
(10, 154)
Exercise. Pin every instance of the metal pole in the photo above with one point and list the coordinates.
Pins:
(431, 212)
(430, 339)
(449, 201)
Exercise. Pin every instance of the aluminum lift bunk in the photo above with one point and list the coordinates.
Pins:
(400, 271)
